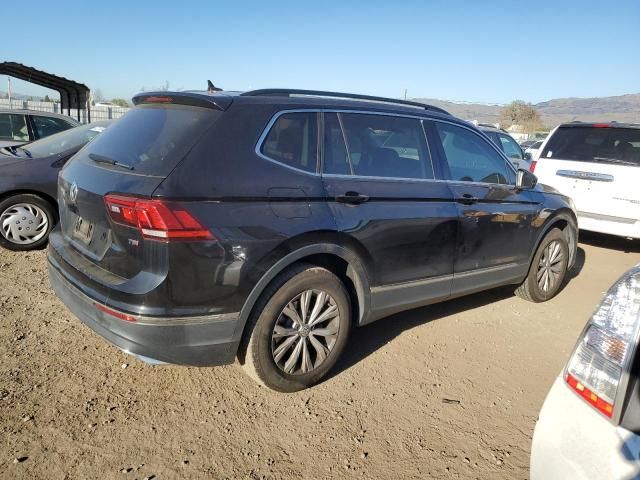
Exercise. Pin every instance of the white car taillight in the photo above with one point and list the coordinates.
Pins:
(607, 346)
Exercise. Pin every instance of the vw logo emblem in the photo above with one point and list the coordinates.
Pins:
(73, 192)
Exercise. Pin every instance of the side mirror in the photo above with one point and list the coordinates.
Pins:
(525, 179)
(527, 156)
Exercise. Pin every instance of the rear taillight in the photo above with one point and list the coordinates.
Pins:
(532, 167)
(156, 219)
(605, 351)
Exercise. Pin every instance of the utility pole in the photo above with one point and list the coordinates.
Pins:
(405, 93)
(9, 90)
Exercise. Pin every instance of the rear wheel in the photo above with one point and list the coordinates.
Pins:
(298, 329)
(548, 269)
(25, 222)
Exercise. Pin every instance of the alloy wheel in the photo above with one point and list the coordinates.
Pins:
(305, 332)
(550, 267)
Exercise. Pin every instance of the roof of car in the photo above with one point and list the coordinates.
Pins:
(294, 98)
(611, 124)
(38, 112)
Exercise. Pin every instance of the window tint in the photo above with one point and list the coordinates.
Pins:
(384, 146)
(13, 127)
(510, 147)
(46, 126)
(336, 160)
(471, 158)
(590, 144)
(154, 138)
(293, 140)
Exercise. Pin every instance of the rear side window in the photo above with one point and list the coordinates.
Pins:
(293, 141)
(154, 138)
(386, 146)
(336, 160)
(592, 144)
(13, 127)
(470, 158)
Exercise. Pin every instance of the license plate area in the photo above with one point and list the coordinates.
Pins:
(83, 230)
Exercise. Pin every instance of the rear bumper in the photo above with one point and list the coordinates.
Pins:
(196, 341)
(621, 226)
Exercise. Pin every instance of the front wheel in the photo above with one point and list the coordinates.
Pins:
(548, 269)
(298, 329)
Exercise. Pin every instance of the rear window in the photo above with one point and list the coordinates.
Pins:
(591, 144)
(154, 138)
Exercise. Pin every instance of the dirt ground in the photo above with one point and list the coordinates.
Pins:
(448, 391)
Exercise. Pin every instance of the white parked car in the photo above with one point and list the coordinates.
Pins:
(598, 165)
(589, 425)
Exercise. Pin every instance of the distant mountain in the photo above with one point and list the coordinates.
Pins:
(622, 108)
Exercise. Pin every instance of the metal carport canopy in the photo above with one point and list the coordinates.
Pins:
(72, 94)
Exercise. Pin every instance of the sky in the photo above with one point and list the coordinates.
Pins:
(475, 51)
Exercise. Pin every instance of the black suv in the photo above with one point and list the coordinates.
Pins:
(266, 224)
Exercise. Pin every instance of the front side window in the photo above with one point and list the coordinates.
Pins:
(386, 146)
(46, 126)
(510, 147)
(471, 158)
(13, 127)
(293, 141)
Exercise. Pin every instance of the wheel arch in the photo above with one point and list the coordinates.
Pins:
(46, 197)
(339, 259)
(566, 221)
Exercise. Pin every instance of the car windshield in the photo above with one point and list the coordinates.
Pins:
(74, 138)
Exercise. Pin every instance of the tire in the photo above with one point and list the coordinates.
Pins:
(25, 222)
(552, 257)
(272, 363)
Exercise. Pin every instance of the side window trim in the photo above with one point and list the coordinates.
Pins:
(271, 123)
(507, 162)
(346, 143)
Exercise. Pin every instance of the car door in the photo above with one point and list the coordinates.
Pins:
(45, 126)
(379, 179)
(495, 238)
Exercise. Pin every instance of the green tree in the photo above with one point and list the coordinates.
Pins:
(521, 113)
(121, 102)
(46, 99)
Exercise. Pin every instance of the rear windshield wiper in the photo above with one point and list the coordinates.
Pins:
(614, 160)
(102, 159)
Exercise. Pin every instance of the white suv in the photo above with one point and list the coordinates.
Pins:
(598, 165)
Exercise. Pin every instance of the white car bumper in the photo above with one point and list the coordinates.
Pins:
(573, 441)
(621, 226)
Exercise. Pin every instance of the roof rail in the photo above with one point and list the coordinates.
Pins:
(277, 92)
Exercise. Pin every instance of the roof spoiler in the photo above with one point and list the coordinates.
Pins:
(216, 101)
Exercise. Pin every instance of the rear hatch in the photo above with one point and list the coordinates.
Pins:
(598, 165)
(105, 192)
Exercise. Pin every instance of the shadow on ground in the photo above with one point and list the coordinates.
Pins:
(366, 340)
(609, 241)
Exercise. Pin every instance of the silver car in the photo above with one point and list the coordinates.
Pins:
(21, 126)
(589, 425)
